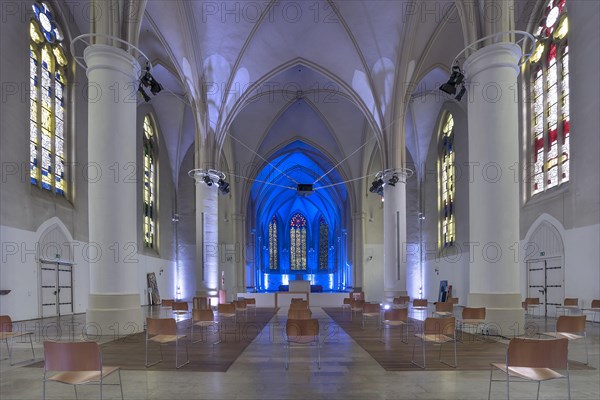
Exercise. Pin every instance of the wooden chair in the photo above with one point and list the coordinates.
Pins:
(594, 308)
(357, 295)
(355, 307)
(570, 306)
(299, 305)
(347, 304)
(302, 333)
(571, 327)
(532, 303)
(395, 317)
(167, 305)
(437, 331)
(200, 303)
(76, 363)
(472, 317)
(226, 312)
(443, 309)
(163, 331)
(299, 314)
(533, 360)
(401, 302)
(420, 305)
(180, 308)
(371, 310)
(240, 307)
(251, 304)
(7, 333)
(453, 300)
(205, 319)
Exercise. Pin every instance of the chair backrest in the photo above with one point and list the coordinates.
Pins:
(452, 300)
(299, 313)
(202, 315)
(571, 323)
(371, 308)
(358, 295)
(167, 302)
(420, 303)
(200, 303)
(295, 328)
(348, 300)
(537, 353)
(180, 306)
(250, 300)
(532, 301)
(72, 356)
(442, 326)
(6, 324)
(444, 306)
(571, 301)
(402, 300)
(358, 304)
(226, 308)
(240, 304)
(297, 300)
(473, 313)
(299, 305)
(161, 326)
(396, 314)
(595, 303)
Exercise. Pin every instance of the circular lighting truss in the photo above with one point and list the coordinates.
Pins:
(129, 48)
(210, 177)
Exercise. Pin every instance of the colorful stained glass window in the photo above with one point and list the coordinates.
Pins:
(549, 91)
(298, 243)
(273, 245)
(47, 111)
(149, 183)
(447, 183)
(323, 244)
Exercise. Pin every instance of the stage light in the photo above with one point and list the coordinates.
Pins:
(143, 93)
(456, 78)
(223, 186)
(462, 92)
(148, 81)
(393, 180)
(377, 187)
(207, 180)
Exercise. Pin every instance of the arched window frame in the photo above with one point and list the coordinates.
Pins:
(48, 133)
(149, 190)
(323, 245)
(273, 244)
(298, 242)
(447, 183)
(548, 91)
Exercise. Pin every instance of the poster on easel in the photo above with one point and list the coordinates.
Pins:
(443, 291)
(154, 295)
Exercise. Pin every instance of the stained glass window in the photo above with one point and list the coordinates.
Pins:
(149, 183)
(47, 81)
(298, 243)
(549, 90)
(447, 183)
(273, 254)
(323, 244)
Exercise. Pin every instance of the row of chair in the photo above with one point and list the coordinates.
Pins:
(570, 306)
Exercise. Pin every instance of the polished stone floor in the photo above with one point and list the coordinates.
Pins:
(347, 372)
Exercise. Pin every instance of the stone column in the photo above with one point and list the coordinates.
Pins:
(239, 233)
(491, 74)
(394, 238)
(358, 247)
(114, 300)
(207, 237)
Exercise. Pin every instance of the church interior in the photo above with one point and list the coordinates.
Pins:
(374, 180)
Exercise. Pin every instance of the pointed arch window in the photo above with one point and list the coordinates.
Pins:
(47, 112)
(549, 91)
(273, 254)
(323, 244)
(447, 183)
(298, 243)
(150, 153)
